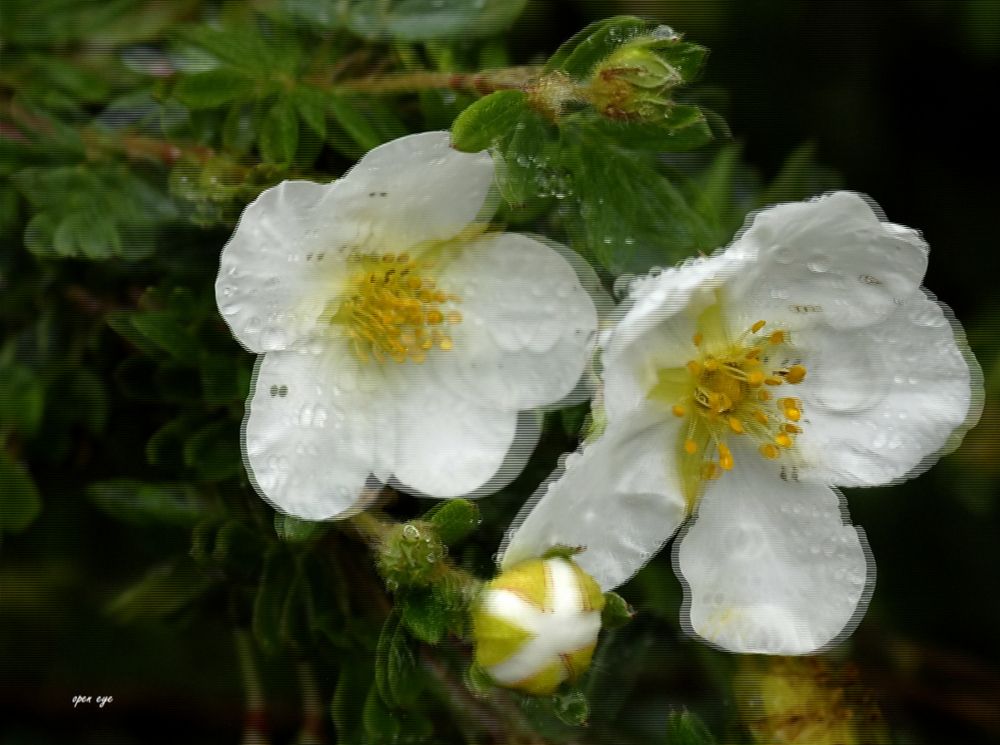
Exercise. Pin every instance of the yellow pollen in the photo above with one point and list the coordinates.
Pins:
(387, 308)
(796, 374)
(727, 391)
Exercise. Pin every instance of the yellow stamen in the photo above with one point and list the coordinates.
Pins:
(697, 339)
(793, 414)
(769, 451)
(796, 374)
(735, 425)
(690, 447)
(777, 337)
(755, 378)
(761, 417)
(784, 440)
(679, 410)
(757, 326)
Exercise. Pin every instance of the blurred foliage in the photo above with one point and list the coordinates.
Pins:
(132, 547)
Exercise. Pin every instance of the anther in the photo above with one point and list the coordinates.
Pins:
(690, 447)
(697, 339)
(757, 326)
(777, 337)
(679, 410)
(772, 380)
(711, 364)
(784, 440)
(725, 457)
(769, 451)
(694, 367)
(736, 425)
(793, 414)
(796, 374)
(761, 417)
(755, 378)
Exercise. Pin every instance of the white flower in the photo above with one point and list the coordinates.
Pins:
(401, 339)
(740, 388)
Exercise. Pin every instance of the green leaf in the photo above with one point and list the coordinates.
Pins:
(425, 617)
(19, 500)
(454, 520)
(164, 591)
(488, 120)
(239, 130)
(632, 218)
(206, 90)
(681, 128)
(687, 58)
(87, 235)
(22, 398)
(214, 450)
(581, 54)
(617, 612)
(293, 530)
(141, 503)
(523, 172)
(396, 674)
(420, 20)
(39, 235)
(271, 604)
(165, 332)
(572, 708)
(311, 105)
(381, 724)
(279, 133)
(350, 700)
(685, 728)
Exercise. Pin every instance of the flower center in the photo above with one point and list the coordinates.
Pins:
(732, 389)
(391, 310)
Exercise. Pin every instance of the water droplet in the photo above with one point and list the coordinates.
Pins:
(410, 532)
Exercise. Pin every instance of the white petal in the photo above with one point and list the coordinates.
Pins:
(769, 565)
(416, 189)
(310, 432)
(447, 445)
(619, 499)
(828, 261)
(883, 403)
(284, 262)
(656, 324)
(527, 323)
(278, 268)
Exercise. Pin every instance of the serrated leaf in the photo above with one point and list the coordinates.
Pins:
(488, 121)
(163, 591)
(19, 499)
(420, 20)
(279, 133)
(354, 686)
(39, 235)
(239, 130)
(581, 53)
(632, 217)
(206, 90)
(141, 503)
(524, 165)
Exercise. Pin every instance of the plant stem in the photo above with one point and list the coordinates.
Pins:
(482, 83)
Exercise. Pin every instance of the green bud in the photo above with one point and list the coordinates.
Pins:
(633, 83)
(454, 520)
(410, 555)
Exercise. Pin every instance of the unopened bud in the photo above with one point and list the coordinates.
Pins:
(536, 625)
(410, 555)
(634, 82)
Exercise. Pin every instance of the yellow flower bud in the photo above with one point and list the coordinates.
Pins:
(536, 625)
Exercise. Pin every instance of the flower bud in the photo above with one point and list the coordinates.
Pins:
(536, 625)
(410, 555)
(633, 83)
